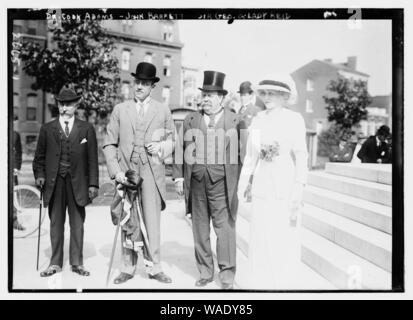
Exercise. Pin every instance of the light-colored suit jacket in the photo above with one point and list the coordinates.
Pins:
(119, 139)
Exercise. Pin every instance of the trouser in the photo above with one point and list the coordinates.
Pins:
(209, 201)
(151, 207)
(63, 198)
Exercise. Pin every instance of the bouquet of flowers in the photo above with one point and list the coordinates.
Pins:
(268, 151)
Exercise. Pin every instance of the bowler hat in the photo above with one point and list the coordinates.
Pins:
(214, 81)
(146, 71)
(67, 94)
(245, 87)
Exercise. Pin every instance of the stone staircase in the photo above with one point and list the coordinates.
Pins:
(347, 225)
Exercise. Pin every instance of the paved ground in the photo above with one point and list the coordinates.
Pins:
(177, 250)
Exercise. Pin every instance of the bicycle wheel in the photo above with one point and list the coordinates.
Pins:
(26, 200)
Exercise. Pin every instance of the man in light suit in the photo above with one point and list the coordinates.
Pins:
(139, 137)
(66, 166)
(209, 178)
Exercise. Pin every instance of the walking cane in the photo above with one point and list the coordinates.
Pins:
(116, 238)
(40, 222)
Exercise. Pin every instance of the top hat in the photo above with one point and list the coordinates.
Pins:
(245, 87)
(67, 94)
(214, 81)
(146, 71)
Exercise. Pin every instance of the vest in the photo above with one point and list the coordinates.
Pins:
(139, 154)
(209, 156)
(64, 162)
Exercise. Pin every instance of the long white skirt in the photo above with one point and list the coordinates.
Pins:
(274, 247)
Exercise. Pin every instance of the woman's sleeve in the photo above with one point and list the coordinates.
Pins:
(251, 158)
(300, 151)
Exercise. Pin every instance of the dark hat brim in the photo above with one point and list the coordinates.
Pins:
(140, 77)
(225, 92)
(72, 99)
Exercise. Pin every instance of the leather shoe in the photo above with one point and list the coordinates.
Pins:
(51, 270)
(203, 282)
(161, 277)
(80, 270)
(227, 286)
(123, 277)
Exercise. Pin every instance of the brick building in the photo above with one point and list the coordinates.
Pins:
(312, 80)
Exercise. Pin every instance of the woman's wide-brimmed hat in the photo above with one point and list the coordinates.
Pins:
(279, 82)
(214, 81)
(67, 94)
(145, 71)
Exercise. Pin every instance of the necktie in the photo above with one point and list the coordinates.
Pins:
(67, 128)
(211, 123)
(141, 112)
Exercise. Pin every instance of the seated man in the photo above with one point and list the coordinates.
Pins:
(375, 149)
(342, 153)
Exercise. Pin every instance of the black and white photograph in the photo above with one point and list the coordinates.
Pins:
(203, 150)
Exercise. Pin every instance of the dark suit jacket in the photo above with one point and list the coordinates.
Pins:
(84, 159)
(232, 125)
(17, 151)
(370, 152)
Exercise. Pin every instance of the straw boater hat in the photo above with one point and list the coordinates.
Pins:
(279, 82)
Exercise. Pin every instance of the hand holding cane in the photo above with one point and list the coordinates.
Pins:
(116, 237)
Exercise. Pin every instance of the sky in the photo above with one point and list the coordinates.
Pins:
(252, 49)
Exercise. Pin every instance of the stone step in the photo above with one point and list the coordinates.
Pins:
(375, 192)
(372, 214)
(370, 244)
(343, 269)
(380, 173)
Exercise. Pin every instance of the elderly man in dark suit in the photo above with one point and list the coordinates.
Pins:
(209, 176)
(375, 148)
(65, 165)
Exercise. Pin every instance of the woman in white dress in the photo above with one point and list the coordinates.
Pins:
(273, 176)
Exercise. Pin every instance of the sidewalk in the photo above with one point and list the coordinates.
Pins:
(177, 254)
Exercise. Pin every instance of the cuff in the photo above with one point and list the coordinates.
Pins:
(178, 180)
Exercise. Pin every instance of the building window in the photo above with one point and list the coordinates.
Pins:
(31, 31)
(16, 102)
(167, 66)
(125, 90)
(310, 85)
(166, 93)
(31, 109)
(309, 106)
(125, 59)
(168, 33)
(148, 57)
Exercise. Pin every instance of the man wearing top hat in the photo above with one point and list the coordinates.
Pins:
(139, 137)
(209, 177)
(65, 165)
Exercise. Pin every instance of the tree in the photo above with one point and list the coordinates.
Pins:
(347, 104)
(80, 55)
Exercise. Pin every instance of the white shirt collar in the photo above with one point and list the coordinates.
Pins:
(217, 116)
(143, 104)
(70, 124)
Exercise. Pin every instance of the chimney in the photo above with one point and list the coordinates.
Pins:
(352, 62)
(329, 60)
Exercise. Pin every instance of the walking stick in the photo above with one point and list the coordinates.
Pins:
(40, 222)
(116, 238)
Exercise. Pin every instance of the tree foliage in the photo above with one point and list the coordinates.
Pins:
(80, 54)
(346, 105)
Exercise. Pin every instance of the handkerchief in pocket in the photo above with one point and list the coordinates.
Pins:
(83, 141)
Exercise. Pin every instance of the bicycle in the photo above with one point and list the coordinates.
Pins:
(26, 200)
